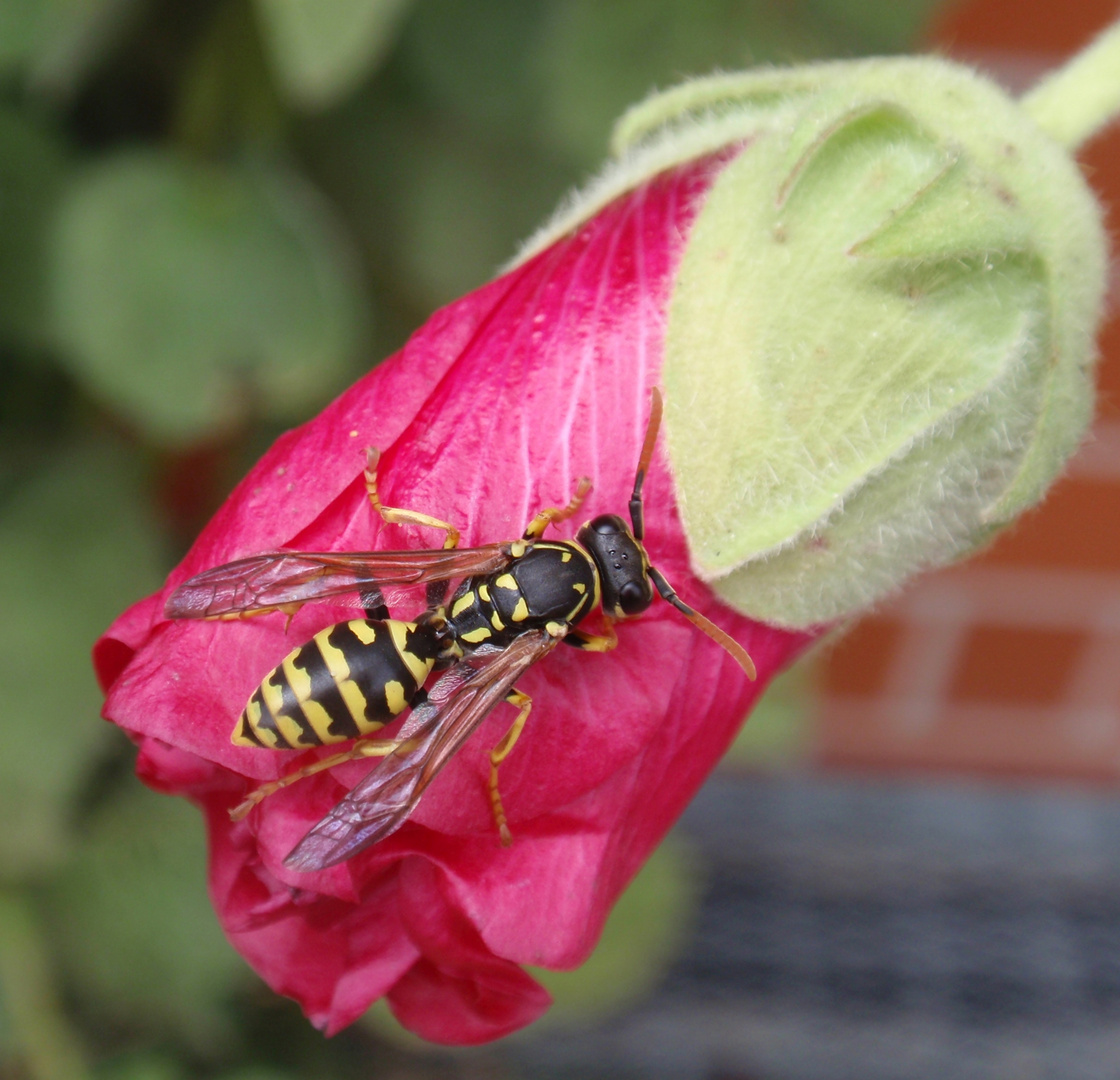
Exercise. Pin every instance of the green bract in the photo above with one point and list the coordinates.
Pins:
(880, 342)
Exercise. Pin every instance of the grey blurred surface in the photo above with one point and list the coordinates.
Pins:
(869, 930)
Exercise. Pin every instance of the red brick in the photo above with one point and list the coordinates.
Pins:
(1078, 527)
(1016, 665)
(858, 663)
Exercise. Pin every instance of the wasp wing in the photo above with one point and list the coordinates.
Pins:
(284, 579)
(434, 731)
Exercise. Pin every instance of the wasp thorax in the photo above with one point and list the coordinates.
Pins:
(622, 565)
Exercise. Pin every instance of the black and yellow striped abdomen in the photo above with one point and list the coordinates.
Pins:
(349, 680)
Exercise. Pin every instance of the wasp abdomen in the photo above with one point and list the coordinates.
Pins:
(349, 680)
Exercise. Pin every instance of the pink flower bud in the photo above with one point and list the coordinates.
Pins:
(494, 409)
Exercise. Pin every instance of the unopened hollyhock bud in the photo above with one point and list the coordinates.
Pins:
(881, 336)
(868, 291)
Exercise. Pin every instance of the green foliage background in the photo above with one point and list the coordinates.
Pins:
(214, 214)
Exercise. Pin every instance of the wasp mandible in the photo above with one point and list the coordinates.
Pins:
(516, 602)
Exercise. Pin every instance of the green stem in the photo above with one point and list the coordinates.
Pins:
(48, 1047)
(1080, 98)
(226, 101)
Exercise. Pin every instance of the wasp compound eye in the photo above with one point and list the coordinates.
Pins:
(634, 597)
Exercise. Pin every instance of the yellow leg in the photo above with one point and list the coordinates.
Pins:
(362, 748)
(499, 754)
(396, 516)
(536, 527)
(581, 639)
(252, 613)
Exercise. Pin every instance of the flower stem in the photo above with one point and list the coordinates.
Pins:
(1080, 98)
(48, 1047)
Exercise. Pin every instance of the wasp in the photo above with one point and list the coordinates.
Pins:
(517, 601)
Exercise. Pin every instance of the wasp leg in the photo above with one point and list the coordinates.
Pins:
(360, 749)
(251, 613)
(553, 514)
(437, 590)
(395, 516)
(581, 639)
(499, 754)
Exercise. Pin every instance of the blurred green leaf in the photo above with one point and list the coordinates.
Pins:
(134, 926)
(644, 933)
(868, 27)
(466, 210)
(32, 168)
(146, 1066)
(190, 297)
(322, 49)
(76, 547)
(56, 41)
(226, 99)
(440, 209)
(36, 412)
(256, 1072)
(25, 27)
(475, 62)
(597, 59)
(42, 1040)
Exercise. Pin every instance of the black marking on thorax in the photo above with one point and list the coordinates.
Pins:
(545, 582)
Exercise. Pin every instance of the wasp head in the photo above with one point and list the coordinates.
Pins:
(623, 565)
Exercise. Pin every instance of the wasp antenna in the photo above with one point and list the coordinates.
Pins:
(652, 427)
(714, 632)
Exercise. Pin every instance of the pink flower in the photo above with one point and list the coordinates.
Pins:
(494, 409)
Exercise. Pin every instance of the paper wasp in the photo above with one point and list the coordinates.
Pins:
(516, 602)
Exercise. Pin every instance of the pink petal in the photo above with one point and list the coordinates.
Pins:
(460, 993)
